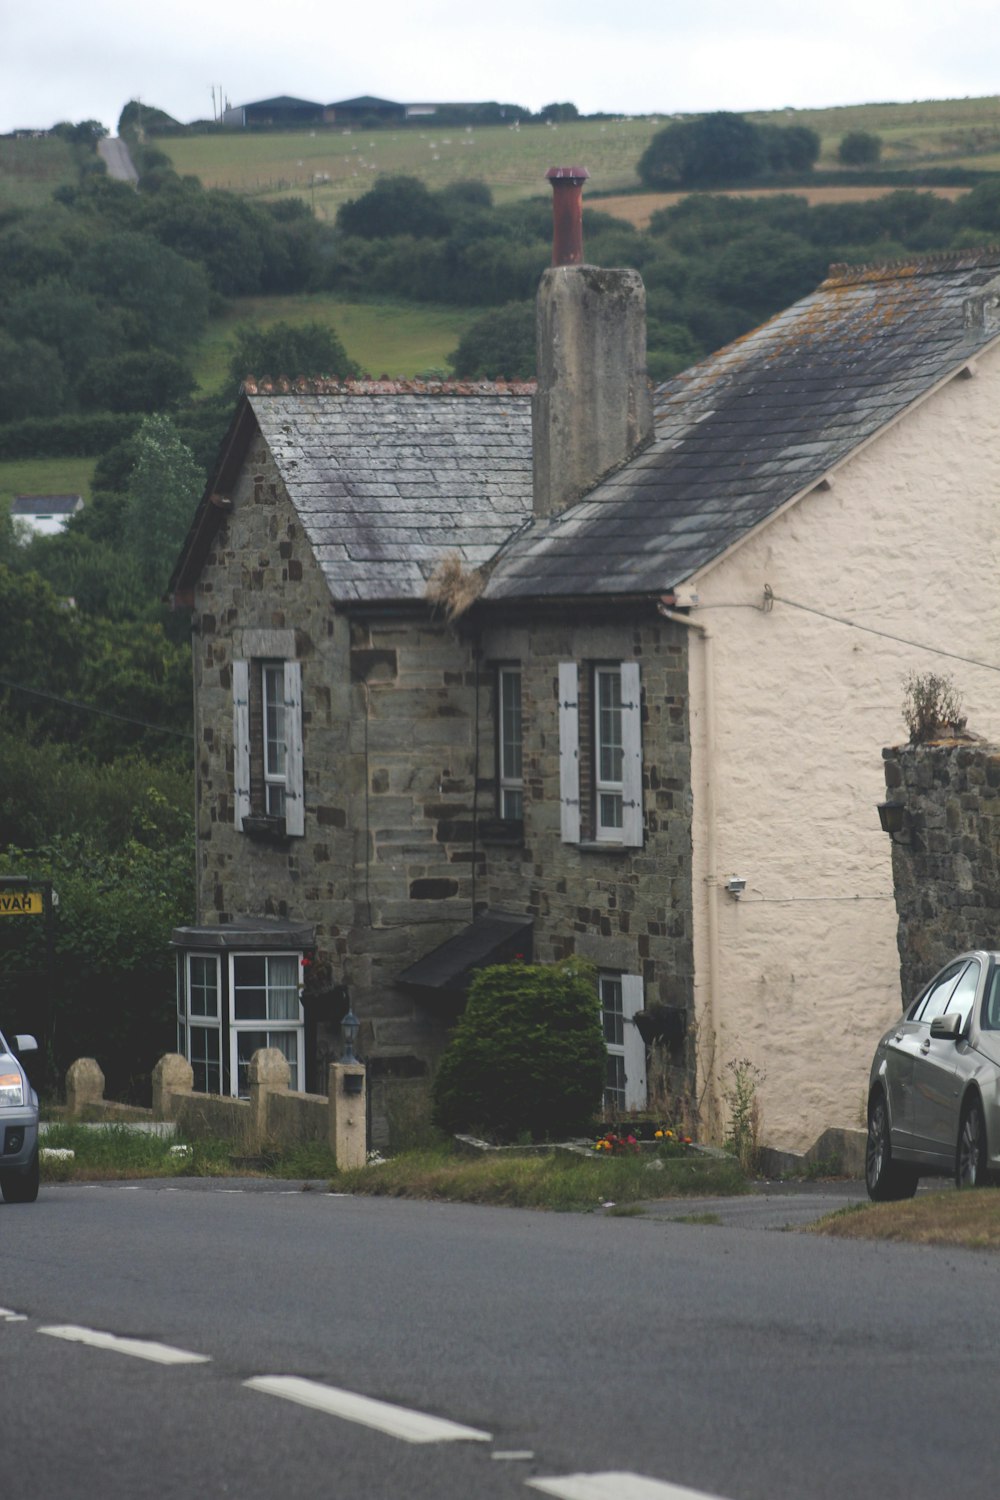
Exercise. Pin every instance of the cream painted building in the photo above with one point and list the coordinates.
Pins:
(818, 509)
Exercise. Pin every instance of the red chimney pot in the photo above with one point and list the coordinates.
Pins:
(567, 214)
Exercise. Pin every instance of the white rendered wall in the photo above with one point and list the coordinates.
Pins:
(905, 542)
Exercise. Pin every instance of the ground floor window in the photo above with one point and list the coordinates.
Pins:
(229, 1006)
(625, 1079)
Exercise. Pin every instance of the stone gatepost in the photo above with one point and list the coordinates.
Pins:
(348, 1115)
(267, 1074)
(84, 1085)
(173, 1076)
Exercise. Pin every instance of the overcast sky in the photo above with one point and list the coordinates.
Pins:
(64, 61)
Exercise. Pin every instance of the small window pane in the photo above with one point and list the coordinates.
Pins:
(612, 1012)
(205, 1060)
(609, 725)
(203, 988)
(614, 1087)
(283, 988)
(510, 749)
(247, 1043)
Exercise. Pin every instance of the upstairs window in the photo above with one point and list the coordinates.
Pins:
(267, 710)
(600, 788)
(509, 754)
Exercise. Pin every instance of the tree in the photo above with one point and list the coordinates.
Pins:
(500, 344)
(31, 379)
(720, 147)
(146, 381)
(557, 113)
(291, 350)
(790, 148)
(161, 496)
(165, 296)
(395, 205)
(527, 1056)
(859, 148)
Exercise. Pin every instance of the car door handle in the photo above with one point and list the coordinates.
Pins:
(925, 1046)
(898, 1037)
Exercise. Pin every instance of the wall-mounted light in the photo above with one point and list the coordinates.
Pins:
(890, 815)
(736, 885)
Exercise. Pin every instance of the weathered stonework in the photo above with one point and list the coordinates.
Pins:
(946, 857)
(399, 787)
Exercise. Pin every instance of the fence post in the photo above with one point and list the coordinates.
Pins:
(348, 1115)
(172, 1076)
(267, 1074)
(84, 1085)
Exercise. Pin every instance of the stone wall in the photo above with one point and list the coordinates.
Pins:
(399, 784)
(945, 864)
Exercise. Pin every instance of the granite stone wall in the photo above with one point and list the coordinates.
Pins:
(946, 856)
(402, 846)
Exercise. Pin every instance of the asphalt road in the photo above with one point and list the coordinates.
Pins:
(742, 1362)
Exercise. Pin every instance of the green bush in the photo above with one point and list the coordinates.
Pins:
(527, 1057)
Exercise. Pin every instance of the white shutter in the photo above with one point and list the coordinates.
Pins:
(569, 752)
(295, 814)
(631, 756)
(635, 1047)
(241, 742)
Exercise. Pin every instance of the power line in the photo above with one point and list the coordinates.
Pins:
(89, 708)
(886, 635)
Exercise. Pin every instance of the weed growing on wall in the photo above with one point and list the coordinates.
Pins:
(932, 706)
(743, 1105)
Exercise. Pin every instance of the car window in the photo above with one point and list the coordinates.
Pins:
(991, 1003)
(935, 1002)
(964, 993)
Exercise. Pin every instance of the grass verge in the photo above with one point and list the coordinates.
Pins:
(114, 1153)
(968, 1220)
(561, 1182)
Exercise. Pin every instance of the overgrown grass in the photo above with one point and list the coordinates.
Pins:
(561, 1181)
(31, 170)
(114, 1152)
(390, 338)
(969, 1220)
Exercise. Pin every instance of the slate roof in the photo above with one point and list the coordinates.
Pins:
(46, 505)
(745, 431)
(388, 477)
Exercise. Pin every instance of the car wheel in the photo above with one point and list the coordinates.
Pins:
(21, 1187)
(885, 1179)
(971, 1161)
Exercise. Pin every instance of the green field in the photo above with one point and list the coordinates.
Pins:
(328, 165)
(45, 476)
(31, 170)
(384, 338)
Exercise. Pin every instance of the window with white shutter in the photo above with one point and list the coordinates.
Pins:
(267, 744)
(602, 797)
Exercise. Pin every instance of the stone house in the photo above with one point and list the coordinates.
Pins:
(486, 670)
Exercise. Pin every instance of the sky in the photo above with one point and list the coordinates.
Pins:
(62, 61)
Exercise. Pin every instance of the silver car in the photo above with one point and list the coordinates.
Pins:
(18, 1124)
(934, 1090)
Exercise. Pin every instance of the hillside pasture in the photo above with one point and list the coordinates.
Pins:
(31, 169)
(397, 339)
(45, 476)
(329, 165)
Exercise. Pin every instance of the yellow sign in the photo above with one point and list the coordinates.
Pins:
(21, 903)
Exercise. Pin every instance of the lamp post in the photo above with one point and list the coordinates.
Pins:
(349, 1029)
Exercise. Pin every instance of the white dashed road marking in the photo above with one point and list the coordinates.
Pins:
(613, 1487)
(160, 1354)
(395, 1421)
(9, 1316)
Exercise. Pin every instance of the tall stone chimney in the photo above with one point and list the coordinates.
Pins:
(593, 408)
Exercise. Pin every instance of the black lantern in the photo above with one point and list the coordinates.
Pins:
(349, 1028)
(890, 815)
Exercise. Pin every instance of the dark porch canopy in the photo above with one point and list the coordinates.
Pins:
(248, 934)
(497, 937)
